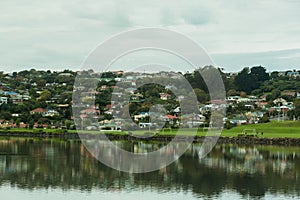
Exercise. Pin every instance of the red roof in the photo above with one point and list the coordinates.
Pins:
(171, 117)
(38, 110)
(88, 111)
(83, 116)
(217, 101)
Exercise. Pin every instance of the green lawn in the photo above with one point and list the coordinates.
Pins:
(272, 129)
(26, 130)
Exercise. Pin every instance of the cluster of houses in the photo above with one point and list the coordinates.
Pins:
(10, 95)
(254, 107)
(15, 97)
(38, 111)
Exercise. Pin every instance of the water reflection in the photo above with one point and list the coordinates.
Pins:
(253, 171)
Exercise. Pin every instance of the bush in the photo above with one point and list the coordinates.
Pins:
(264, 119)
(129, 127)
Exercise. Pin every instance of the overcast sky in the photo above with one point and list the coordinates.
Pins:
(60, 34)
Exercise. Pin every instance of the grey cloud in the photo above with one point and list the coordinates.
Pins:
(197, 15)
(272, 60)
(58, 33)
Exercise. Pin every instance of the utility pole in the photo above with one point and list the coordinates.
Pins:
(278, 112)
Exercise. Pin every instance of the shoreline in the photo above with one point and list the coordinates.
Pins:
(242, 140)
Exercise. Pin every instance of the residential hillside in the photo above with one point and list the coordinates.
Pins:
(33, 98)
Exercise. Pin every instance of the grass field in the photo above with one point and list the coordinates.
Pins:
(272, 129)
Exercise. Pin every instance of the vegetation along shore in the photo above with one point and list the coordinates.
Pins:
(272, 133)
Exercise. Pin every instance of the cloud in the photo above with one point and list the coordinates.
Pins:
(272, 60)
(62, 33)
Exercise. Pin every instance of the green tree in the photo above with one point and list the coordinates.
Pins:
(243, 94)
(201, 95)
(248, 80)
(297, 107)
(275, 93)
(232, 92)
(243, 80)
(31, 124)
(18, 121)
(45, 94)
(5, 115)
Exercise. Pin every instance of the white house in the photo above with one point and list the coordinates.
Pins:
(164, 96)
(3, 100)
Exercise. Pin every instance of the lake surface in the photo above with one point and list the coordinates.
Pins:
(55, 169)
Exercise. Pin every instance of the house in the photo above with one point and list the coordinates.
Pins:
(44, 112)
(65, 74)
(232, 98)
(51, 113)
(289, 93)
(243, 100)
(262, 104)
(164, 96)
(63, 106)
(16, 99)
(170, 87)
(136, 96)
(177, 110)
(180, 97)
(89, 111)
(119, 72)
(130, 90)
(263, 97)
(39, 111)
(281, 101)
(171, 119)
(3, 100)
(141, 115)
(293, 74)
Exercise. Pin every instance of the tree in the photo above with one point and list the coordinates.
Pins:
(264, 119)
(31, 124)
(248, 80)
(201, 95)
(275, 93)
(18, 121)
(274, 74)
(33, 93)
(14, 74)
(297, 107)
(41, 82)
(243, 94)
(243, 80)
(232, 92)
(196, 80)
(45, 94)
(259, 74)
(5, 115)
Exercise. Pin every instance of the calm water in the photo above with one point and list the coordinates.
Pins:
(53, 169)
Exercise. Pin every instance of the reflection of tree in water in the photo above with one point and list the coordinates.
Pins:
(34, 164)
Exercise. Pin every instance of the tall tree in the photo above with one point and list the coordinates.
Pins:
(248, 80)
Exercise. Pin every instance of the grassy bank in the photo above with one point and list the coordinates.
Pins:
(274, 129)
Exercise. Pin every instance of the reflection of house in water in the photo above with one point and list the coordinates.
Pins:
(238, 159)
(281, 162)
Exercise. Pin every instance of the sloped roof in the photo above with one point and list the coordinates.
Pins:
(39, 110)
